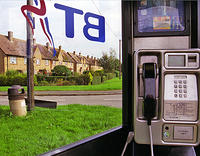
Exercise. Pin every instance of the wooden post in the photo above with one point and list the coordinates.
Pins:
(30, 67)
(120, 44)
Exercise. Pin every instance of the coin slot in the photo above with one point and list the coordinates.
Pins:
(192, 59)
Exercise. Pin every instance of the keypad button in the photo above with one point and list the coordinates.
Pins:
(175, 82)
(180, 81)
(175, 95)
(180, 86)
(184, 86)
(175, 86)
(185, 90)
(175, 90)
(185, 81)
(185, 95)
(180, 95)
(180, 91)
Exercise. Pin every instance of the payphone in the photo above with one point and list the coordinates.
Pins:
(166, 97)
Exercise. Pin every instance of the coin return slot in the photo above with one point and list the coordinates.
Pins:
(192, 59)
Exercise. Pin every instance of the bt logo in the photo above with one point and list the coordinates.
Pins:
(69, 23)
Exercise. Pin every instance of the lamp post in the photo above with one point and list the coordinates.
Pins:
(30, 67)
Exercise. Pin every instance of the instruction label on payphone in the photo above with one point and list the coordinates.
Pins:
(180, 97)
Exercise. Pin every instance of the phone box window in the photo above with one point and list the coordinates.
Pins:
(161, 16)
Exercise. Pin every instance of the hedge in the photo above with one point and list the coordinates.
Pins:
(96, 80)
(110, 76)
(19, 79)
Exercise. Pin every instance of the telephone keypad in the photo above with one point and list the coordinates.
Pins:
(180, 88)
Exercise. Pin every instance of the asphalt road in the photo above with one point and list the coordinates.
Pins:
(106, 100)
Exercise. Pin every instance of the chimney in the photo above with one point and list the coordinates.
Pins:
(34, 42)
(79, 54)
(88, 56)
(10, 36)
(74, 52)
(60, 48)
(47, 45)
(91, 57)
(94, 58)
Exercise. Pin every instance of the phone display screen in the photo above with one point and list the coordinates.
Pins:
(176, 60)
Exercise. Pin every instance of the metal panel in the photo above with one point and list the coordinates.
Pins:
(181, 42)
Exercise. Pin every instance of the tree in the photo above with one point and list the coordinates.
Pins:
(61, 70)
(109, 63)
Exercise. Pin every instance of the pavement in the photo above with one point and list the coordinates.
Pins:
(71, 93)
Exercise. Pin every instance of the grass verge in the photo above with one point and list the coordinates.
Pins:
(46, 129)
(114, 84)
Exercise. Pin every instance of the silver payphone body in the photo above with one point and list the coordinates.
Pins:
(175, 85)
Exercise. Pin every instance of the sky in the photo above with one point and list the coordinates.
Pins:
(13, 20)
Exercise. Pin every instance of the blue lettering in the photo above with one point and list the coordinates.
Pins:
(69, 18)
(100, 27)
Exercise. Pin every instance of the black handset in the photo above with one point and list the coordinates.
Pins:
(149, 78)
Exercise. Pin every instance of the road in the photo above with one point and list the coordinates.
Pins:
(106, 100)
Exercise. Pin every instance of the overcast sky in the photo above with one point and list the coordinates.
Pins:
(13, 20)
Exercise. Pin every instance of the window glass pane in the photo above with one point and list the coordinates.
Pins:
(161, 16)
(13, 60)
(76, 66)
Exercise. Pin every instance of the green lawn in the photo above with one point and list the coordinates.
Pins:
(114, 84)
(44, 129)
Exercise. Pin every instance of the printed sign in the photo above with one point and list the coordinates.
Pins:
(160, 23)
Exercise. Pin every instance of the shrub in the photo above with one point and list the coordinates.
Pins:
(80, 80)
(96, 80)
(61, 70)
(12, 72)
(99, 73)
(71, 78)
(43, 83)
(3, 80)
(110, 76)
(116, 73)
(54, 79)
(104, 78)
(40, 77)
(20, 79)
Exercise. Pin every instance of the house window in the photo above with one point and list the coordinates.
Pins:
(25, 60)
(66, 63)
(54, 62)
(37, 61)
(46, 62)
(13, 60)
(60, 63)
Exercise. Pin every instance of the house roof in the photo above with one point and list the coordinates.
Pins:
(16, 47)
(67, 57)
(47, 53)
(75, 57)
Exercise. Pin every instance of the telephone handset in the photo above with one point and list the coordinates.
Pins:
(149, 81)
